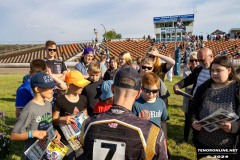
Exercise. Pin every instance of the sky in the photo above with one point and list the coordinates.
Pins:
(31, 21)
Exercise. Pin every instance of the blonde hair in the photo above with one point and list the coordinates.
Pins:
(94, 67)
(147, 60)
(157, 63)
(194, 55)
(127, 57)
(150, 79)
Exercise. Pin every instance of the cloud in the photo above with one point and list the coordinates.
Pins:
(74, 20)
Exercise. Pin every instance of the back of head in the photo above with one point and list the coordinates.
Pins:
(38, 65)
(127, 84)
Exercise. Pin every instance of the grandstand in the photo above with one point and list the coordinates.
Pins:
(135, 47)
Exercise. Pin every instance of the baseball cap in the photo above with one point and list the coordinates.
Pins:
(128, 77)
(75, 77)
(87, 50)
(106, 90)
(42, 80)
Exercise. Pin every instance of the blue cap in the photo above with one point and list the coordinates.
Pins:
(88, 50)
(42, 80)
(106, 90)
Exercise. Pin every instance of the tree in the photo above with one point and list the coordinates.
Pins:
(111, 35)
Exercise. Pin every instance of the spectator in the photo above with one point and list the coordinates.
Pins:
(83, 64)
(218, 92)
(71, 103)
(200, 74)
(25, 93)
(106, 97)
(109, 74)
(192, 64)
(147, 66)
(125, 59)
(103, 64)
(36, 116)
(118, 121)
(57, 66)
(148, 106)
(160, 68)
(93, 90)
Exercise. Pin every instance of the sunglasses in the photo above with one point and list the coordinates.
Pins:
(150, 91)
(50, 50)
(148, 68)
(193, 60)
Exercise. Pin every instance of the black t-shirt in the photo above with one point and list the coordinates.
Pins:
(93, 93)
(163, 71)
(66, 107)
(56, 66)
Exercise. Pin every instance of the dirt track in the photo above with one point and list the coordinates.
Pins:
(14, 71)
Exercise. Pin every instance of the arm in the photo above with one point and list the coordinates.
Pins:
(164, 128)
(170, 62)
(64, 119)
(56, 79)
(187, 81)
(39, 134)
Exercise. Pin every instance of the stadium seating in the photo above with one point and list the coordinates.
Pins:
(135, 47)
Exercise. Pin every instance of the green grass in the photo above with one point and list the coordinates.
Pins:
(10, 83)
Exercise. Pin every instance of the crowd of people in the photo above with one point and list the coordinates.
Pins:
(126, 105)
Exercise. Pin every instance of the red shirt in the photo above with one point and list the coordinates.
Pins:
(101, 107)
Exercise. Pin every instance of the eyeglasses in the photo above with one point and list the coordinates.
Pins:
(203, 60)
(50, 50)
(149, 91)
(193, 60)
(148, 68)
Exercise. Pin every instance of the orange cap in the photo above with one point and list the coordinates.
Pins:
(75, 77)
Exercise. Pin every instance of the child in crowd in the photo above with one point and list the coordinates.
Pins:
(148, 106)
(106, 98)
(71, 103)
(24, 92)
(93, 90)
(36, 117)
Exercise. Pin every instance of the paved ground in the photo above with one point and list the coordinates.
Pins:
(14, 71)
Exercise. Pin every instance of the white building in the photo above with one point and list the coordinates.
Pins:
(164, 27)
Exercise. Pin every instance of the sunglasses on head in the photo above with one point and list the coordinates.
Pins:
(145, 67)
(50, 50)
(193, 60)
(149, 91)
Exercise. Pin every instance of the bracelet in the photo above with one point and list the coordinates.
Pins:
(30, 134)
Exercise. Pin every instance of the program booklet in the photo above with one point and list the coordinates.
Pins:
(211, 123)
(72, 131)
(46, 149)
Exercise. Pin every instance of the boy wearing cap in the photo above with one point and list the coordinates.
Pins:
(85, 61)
(24, 92)
(122, 134)
(93, 90)
(106, 97)
(70, 103)
(36, 116)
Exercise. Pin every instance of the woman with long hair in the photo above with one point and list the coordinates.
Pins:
(220, 91)
(113, 65)
(160, 68)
